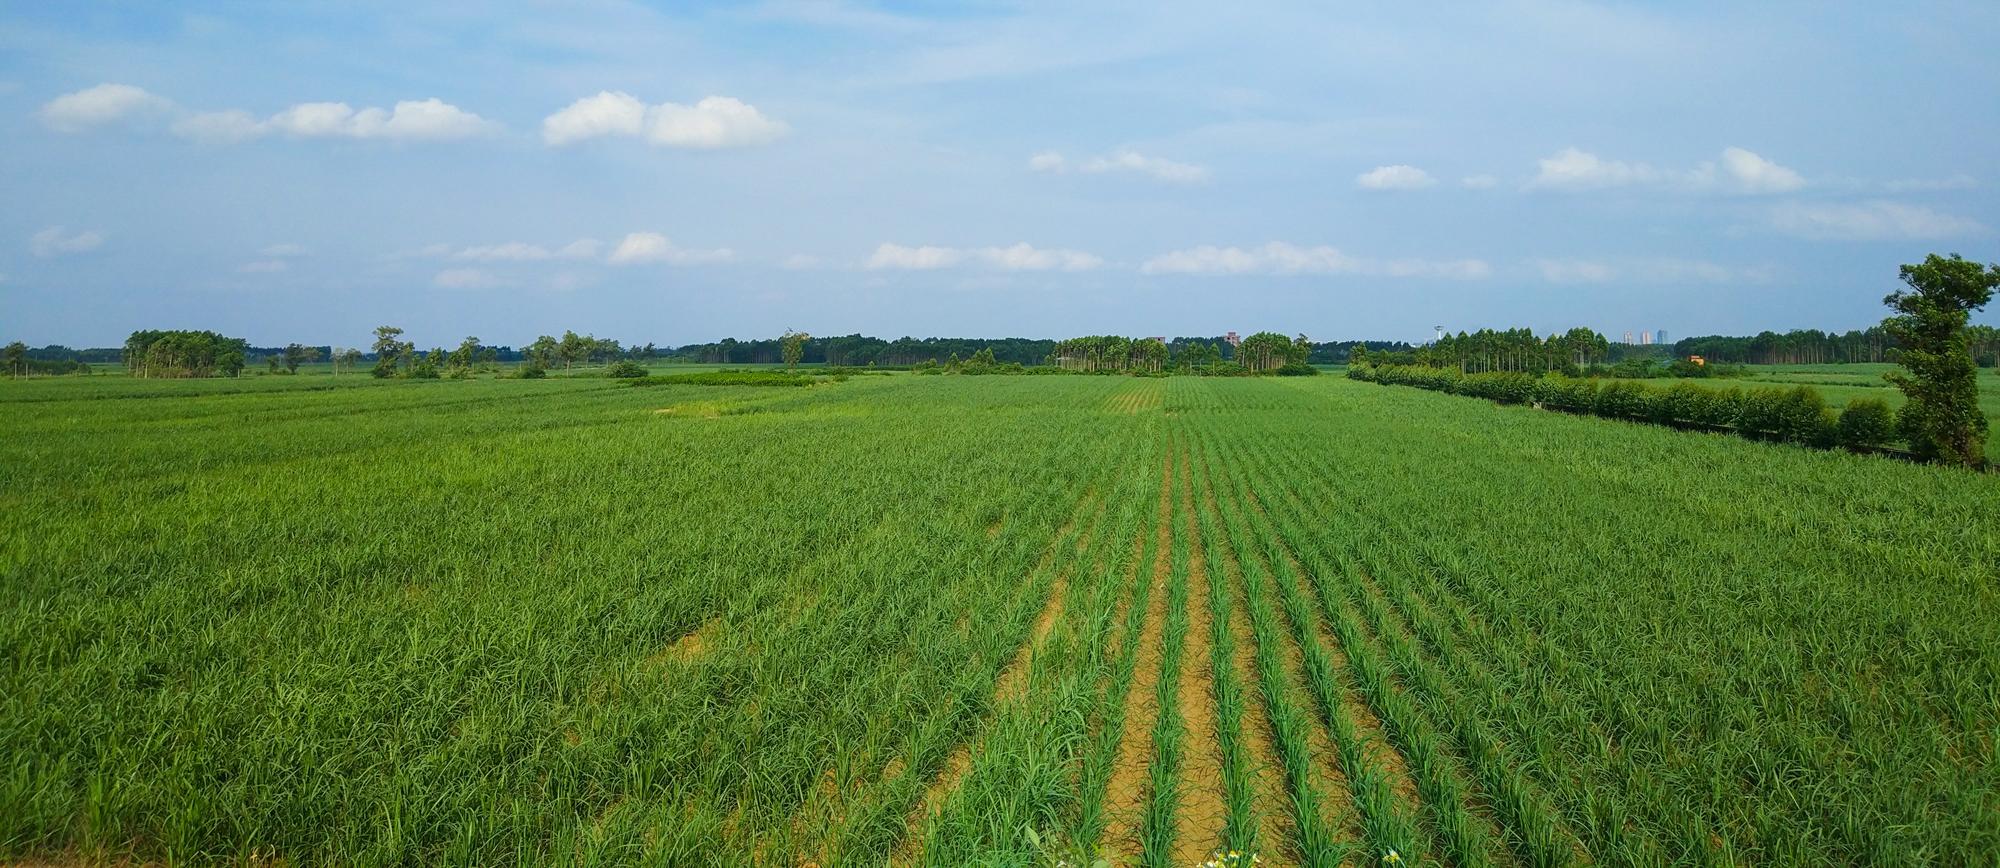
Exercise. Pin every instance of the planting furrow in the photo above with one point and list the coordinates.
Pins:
(1246, 767)
(1292, 729)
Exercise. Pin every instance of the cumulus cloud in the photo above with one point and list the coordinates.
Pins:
(1752, 173)
(1573, 169)
(465, 278)
(1158, 168)
(100, 105)
(1397, 177)
(1869, 221)
(412, 120)
(1479, 182)
(1280, 258)
(1019, 257)
(651, 247)
(517, 251)
(1740, 171)
(54, 241)
(715, 122)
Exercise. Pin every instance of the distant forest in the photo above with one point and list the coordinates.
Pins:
(1799, 346)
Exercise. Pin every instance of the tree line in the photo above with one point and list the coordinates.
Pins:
(1928, 333)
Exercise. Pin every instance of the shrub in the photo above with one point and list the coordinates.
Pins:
(1866, 423)
(1296, 369)
(532, 372)
(1621, 400)
(625, 370)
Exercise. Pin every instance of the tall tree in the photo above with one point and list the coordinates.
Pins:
(1941, 420)
(794, 347)
(17, 358)
(390, 353)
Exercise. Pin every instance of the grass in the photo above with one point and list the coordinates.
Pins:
(911, 619)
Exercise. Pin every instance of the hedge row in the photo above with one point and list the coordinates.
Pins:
(1795, 415)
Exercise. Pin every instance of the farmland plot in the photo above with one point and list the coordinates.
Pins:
(1003, 620)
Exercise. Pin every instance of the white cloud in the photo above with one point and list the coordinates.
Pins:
(1754, 174)
(648, 247)
(914, 258)
(520, 251)
(714, 122)
(1573, 270)
(427, 119)
(800, 262)
(1654, 270)
(1398, 177)
(1019, 257)
(264, 266)
(1869, 221)
(1742, 171)
(54, 242)
(100, 105)
(1278, 257)
(1479, 182)
(1047, 161)
(582, 248)
(1158, 167)
(1573, 169)
(283, 250)
(413, 120)
(464, 278)
(606, 114)
(512, 251)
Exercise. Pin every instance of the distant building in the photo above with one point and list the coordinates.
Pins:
(1660, 337)
(1161, 339)
(1628, 337)
(1233, 340)
(1645, 338)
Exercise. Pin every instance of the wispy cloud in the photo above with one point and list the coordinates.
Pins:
(1739, 171)
(1019, 257)
(1397, 177)
(640, 248)
(410, 120)
(55, 241)
(1158, 168)
(1281, 258)
(1879, 220)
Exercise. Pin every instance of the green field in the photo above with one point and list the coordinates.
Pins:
(974, 620)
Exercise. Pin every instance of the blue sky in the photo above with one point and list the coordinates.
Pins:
(683, 172)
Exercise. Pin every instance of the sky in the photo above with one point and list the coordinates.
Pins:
(682, 172)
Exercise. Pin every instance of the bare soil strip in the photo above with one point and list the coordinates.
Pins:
(1204, 814)
(1267, 799)
(1125, 795)
(959, 762)
(1333, 783)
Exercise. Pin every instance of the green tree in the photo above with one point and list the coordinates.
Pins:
(299, 354)
(794, 347)
(389, 352)
(573, 348)
(1941, 420)
(542, 353)
(17, 358)
(466, 356)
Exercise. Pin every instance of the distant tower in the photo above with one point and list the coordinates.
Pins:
(1645, 338)
(1660, 337)
(1628, 337)
(1440, 333)
(1232, 339)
